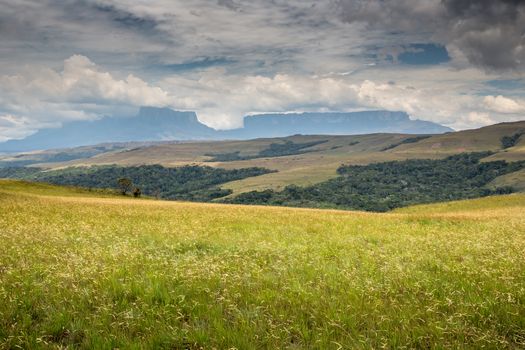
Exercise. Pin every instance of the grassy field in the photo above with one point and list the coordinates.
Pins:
(515, 179)
(81, 271)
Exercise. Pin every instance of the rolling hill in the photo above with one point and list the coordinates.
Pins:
(313, 164)
(81, 269)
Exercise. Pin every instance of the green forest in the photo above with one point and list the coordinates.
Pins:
(511, 141)
(195, 183)
(374, 187)
(405, 141)
(385, 186)
(287, 148)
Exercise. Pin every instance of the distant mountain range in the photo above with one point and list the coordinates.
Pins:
(352, 123)
(155, 124)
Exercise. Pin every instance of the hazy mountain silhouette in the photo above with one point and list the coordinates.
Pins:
(332, 123)
(155, 124)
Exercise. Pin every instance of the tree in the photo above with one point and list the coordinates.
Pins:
(124, 185)
(136, 192)
(511, 141)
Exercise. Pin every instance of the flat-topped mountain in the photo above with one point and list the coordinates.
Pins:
(352, 123)
(159, 124)
(153, 124)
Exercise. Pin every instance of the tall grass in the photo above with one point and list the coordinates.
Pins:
(87, 272)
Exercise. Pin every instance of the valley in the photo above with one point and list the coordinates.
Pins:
(308, 166)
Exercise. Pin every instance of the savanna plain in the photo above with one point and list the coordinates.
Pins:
(82, 269)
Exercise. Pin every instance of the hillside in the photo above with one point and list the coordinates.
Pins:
(483, 139)
(373, 187)
(87, 272)
(317, 163)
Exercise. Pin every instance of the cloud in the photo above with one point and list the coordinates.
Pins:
(81, 90)
(478, 118)
(221, 101)
(81, 80)
(228, 58)
(12, 127)
(502, 104)
(489, 33)
(267, 37)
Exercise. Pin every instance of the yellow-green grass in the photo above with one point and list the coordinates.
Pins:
(516, 180)
(84, 272)
(512, 154)
(20, 187)
(305, 169)
(483, 139)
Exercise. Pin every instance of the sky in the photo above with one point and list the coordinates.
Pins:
(460, 63)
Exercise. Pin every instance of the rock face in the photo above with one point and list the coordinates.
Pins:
(150, 124)
(276, 125)
(156, 124)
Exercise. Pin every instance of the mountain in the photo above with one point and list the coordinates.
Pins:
(154, 124)
(352, 123)
(150, 124)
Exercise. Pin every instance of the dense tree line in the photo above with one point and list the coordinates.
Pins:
(384, 186)
(374, 187)
(511, 141)
(273, 150)
(186, 183)
(407, 140)
(18, 172)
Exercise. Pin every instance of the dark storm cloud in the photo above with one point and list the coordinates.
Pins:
(491, 34)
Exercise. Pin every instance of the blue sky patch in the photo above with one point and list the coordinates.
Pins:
(201, 63)
(424, 54)
(507, 84)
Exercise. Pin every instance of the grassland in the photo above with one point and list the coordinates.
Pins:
(81, 271)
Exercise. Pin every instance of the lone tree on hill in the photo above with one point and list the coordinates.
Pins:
(124, 185)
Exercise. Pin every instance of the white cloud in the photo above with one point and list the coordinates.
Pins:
(82, 90)
(14, 127)
(502, 104)
(279, 55)
(82, 80)
(221, 100)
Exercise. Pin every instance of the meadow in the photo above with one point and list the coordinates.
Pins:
(82, 269)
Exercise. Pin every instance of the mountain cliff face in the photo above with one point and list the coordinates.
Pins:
(155, 124)
(150, 124)
(277, 125)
